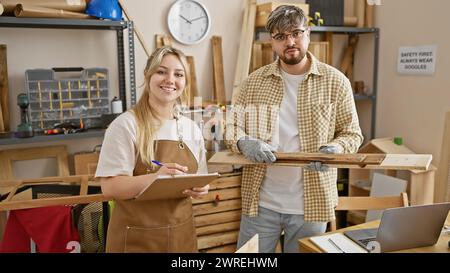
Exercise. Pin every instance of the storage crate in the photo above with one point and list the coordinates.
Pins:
(67, 94)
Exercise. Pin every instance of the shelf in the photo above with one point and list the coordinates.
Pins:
(344, 30)
(337, 30)
(363, 97)
(15, 22)
(11, 140)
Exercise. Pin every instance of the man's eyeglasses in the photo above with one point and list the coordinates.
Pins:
(280, 37)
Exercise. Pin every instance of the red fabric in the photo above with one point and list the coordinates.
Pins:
(51, 229)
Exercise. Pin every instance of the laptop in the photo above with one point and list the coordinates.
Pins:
(404, 228)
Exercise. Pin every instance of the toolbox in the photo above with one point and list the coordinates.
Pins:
(71, 94)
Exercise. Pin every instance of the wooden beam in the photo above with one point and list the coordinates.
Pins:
(221, 206)
(442, 190)
(219, 81)
(219, 239)
(193, 92)
(4, 89)
(206, 230)
(351, 161)
(245, 48)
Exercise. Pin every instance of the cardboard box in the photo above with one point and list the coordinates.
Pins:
(263, 11)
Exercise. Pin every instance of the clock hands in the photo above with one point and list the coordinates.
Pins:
(198, 18)
(189, 22)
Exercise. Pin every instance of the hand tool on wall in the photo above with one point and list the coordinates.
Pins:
(136, 29)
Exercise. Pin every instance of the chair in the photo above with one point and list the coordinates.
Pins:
(370, 203)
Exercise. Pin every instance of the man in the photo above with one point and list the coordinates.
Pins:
(296, 104)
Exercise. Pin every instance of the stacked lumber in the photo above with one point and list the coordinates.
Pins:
(217, 215)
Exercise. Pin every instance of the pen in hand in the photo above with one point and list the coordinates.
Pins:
(157, 163)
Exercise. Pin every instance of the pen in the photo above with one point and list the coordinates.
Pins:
(335, 245)
(157, 163)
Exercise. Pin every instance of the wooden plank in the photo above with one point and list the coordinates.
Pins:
(223, 194)
(267, 53)
(442, 189)
(256, 56)
(245, 48)
(215, 240)
(221, 249)
(225, 182)
(412, 160)
(321, 51)
(217, 218)
(193, 92)
(59, 152)
(208, 208)
(158, 41)
(370, 203)
(394, 162)
(4, 89)
(211, 229)
(347, 60)
(219, 81)
(359, 6)
(57, 201)
(369, 16)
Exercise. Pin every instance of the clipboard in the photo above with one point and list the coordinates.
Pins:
(171, 187)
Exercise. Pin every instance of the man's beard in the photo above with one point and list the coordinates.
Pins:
(293, 60)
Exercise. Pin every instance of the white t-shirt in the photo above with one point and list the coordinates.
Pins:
(282, 187)
(119, 153)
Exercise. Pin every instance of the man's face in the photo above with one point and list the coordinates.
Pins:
(291, 46)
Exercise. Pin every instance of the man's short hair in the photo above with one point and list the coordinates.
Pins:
(285, 17)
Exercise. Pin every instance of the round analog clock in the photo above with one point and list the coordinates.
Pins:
(188, 21)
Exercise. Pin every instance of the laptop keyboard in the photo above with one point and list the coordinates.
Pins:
(365, 242)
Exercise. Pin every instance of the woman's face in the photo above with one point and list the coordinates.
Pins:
(169, 80)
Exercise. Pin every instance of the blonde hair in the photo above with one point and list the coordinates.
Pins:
(147, 121)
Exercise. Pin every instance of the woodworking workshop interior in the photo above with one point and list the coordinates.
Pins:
(224, 127)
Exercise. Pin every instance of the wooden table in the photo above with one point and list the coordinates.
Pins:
(441, 246)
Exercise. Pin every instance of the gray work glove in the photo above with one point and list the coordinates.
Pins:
(318, 166)
(256, 150)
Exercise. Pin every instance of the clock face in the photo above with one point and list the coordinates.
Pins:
(188, 21)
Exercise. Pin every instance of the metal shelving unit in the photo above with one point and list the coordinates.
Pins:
(355, 31)
(88, 24)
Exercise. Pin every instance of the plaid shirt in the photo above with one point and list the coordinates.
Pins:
(326, 115)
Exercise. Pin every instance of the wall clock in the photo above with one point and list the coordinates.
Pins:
(188, 21)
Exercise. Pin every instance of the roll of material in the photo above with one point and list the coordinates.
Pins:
(370, 12)
(26, 10)
(1, 9)
(360, 6)
(69, 5)
(350, 21)
(116, 106)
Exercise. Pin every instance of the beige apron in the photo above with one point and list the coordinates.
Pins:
(165, 225)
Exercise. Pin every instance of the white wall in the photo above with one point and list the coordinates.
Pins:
(413, 106)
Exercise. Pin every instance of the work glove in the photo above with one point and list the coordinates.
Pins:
(317, 166)
(256, 150)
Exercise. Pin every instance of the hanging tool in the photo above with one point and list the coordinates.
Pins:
(70, 97)
(136, 30)
(61, 115)
(40, 104)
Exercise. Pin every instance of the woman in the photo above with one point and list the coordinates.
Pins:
(153, 130)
